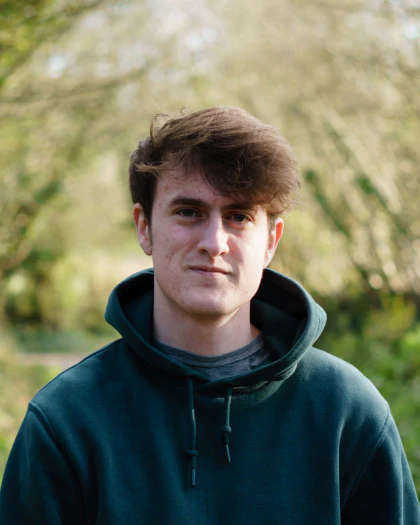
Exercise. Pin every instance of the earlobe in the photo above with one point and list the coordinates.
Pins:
(273, 240)
(142, 229)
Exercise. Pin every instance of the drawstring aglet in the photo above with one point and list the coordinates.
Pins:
(192, 477)
(193, 455)
(227, 453)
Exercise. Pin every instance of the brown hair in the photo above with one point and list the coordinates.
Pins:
(237, 154)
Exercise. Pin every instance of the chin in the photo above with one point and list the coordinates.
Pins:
(207, 307)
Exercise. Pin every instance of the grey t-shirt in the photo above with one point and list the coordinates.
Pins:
(231, 364)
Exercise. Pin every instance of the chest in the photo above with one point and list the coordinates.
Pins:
(284, 464)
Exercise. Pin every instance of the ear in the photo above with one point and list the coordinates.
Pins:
(142, 229)
(274, 237)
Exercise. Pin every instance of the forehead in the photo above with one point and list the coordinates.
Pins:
(173, 186)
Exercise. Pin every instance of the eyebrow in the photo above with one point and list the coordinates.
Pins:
(189, 201)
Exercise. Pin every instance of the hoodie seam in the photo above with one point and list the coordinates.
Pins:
(368, 459)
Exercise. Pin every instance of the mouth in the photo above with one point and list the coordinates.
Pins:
(209, 270)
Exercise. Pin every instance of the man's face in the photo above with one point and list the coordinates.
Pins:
(208, 250)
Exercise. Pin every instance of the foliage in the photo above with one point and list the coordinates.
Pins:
(25, 24)
(40, 343)
(19, 21)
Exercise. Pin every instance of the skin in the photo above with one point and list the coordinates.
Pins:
(209, 252)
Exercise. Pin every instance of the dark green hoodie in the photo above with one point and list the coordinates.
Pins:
(129, 436)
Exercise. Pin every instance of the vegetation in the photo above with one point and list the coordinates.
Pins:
(79, 83)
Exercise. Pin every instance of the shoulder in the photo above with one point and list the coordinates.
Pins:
(102, 375)
(333, 377)
(343, 395)
(352, 412)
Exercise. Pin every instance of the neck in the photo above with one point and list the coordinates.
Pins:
(207, 336)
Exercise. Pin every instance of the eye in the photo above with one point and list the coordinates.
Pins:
(238, 217)
(187, 212)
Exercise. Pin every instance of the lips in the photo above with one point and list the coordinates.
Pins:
(209, 269)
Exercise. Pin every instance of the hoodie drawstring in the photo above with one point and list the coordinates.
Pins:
(192, 453)
(226, 429)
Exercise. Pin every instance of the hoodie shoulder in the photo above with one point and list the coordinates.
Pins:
(341, 381)
(349, 408)
(92, 376)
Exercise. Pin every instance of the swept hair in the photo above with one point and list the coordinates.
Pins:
(237, 154)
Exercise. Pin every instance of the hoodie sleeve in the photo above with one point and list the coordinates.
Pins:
(39, 484)
(384, 493)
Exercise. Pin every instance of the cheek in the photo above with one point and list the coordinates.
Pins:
(254, 249)
(171, 243)
(250, 255)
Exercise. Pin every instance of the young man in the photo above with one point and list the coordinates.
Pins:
(214, 407)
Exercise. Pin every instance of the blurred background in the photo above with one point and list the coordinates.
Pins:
(79, 84)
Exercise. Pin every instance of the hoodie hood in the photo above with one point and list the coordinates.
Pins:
(288, 317)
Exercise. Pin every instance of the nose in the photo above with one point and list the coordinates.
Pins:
(214, 238)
